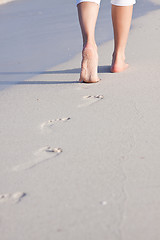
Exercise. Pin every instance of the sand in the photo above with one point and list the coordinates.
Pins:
(81, 161)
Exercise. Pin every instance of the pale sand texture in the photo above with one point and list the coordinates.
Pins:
(156, 1)
(84, 159)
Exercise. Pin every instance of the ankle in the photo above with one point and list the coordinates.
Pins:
(119, 55)
(90, 44)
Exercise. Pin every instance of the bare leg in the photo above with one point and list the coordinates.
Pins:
(88, 12)
(121, 18)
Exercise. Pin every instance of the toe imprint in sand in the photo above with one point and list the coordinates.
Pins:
(91, 99)
(15, 197)
(43, 154)
(94, 97)
(51, 123)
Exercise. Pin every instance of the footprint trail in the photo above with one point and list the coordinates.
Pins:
(51, 123)
(15, 197)
(90, 99)
(43, 154)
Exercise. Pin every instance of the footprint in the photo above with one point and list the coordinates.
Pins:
(15, 197)
(91, 99)
(43, 154)
(51, 123)
(94, 97)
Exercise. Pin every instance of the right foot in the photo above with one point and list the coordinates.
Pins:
(118, 64)
(89, 65)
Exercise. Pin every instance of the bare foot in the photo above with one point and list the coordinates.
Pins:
(89, 64)
(118, 64)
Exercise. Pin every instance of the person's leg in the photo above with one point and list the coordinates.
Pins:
(121, 19)
(88, 12)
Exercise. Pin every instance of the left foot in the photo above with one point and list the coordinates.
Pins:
(89, 64)
(118, 64)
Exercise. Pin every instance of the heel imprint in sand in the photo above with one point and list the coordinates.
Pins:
(51, 123)
(91, 99)
(15, 197)
(43, 154)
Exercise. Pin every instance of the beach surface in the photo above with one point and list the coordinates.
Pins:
(81, 161)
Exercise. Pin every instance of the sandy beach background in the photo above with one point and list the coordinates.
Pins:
(77, 161)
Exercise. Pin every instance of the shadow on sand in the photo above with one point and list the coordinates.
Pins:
(101, 69)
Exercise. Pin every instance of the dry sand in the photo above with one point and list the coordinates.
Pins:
(81, 161)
